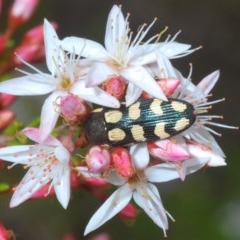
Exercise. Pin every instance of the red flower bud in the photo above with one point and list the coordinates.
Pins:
(20, 12)
(115, 86)
(121, 161)
(6, 117)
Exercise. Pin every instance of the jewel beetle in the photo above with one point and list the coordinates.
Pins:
(144, 121)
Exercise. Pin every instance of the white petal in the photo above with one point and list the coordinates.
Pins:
(194, 164)
(114, 179)
(167, 172)
(84, 47)
(115, 29)
(140, 77)
(28, 186)
(52, 47)
(149, 200)
(161, 173)
(34, 84)
(132, 94)
(165, 66)
(49, 114)
(173, 49)
(94, 95)
(62, 154)
(200, 135)
(113, 205)
(15, 154)
(207, 83)
(99, 73)
(144, 56)
(62, 188)
(199, 151)
(140, 155)
(35, 135)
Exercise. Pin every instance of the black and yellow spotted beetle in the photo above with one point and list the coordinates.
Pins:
(144, 121)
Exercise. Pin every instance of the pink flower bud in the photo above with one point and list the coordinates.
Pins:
(168, 150)
(101, 236)
(96, 182)
(26, 52)
(35, 35)
(6, 117)
(129, 212)
(73, 108)
(69, 236)
(6, 99)
(3, 43)
(1, 6)
(75, 180)
(98, 159)
(121, 161)
(44, 192)
(4, 233)
(115, 86)
(168, 85)
(20, 12)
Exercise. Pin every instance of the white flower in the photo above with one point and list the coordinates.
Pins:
(125, 56)
(140, 188)
(200, 132)
(48, 162)
(66, 76)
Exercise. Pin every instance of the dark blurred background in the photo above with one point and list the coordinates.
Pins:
(205, 206)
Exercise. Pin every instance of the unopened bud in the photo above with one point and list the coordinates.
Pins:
(69, 236)
(98, 159)
(115, 86)
(73, 108)
(20, 12)
(96, 182)
(121, 161)
(6, 99)
(129, 212)
(168, 150)
(100, 236)
(1, 6)
(26, 52)
(2, 43)
(43, 192)
(168, 86)
(4, 233)
(6, 117)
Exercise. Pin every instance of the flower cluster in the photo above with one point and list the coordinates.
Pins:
(85, 75)
(30, 47)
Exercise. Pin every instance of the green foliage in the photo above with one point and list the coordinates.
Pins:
(4, 187)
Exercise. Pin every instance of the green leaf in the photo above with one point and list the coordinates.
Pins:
(4, 187)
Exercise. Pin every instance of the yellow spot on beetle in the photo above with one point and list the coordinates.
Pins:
(181, 124)
(156, 107)
(97, 110)
(113, 116)
(138, 133)
(160, 131)
(178, 106)
(134, 111)
(116, 134)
